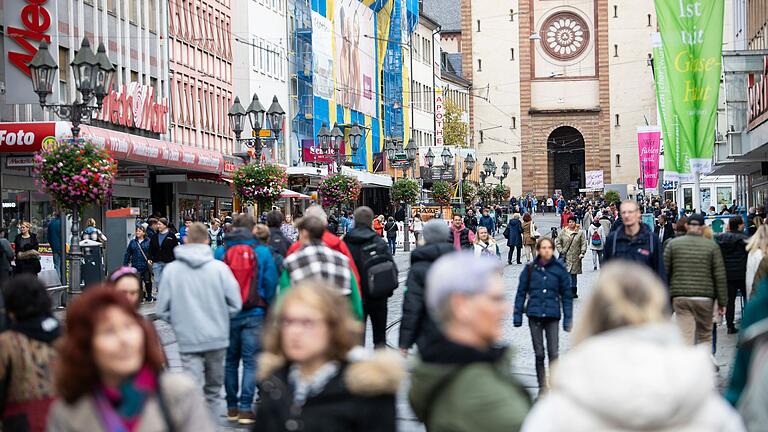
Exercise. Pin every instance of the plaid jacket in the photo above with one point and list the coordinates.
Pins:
(320, 262)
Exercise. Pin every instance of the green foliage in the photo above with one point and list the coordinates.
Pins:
(441, 192)
(485, 193)
(612, 196)
(501, 193)
(455, 131)
(260, 184)
(405, 191)
(469, 192)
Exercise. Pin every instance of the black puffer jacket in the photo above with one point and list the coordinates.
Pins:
(279, 241)
(416, 325)
(733, 245)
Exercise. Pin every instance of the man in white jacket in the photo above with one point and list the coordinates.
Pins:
(198, 295)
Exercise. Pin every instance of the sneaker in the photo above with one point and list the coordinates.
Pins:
(594, 269)
(732, 330)
(246, 418)
(233, 414)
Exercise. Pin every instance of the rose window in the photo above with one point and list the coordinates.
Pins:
(565, 35)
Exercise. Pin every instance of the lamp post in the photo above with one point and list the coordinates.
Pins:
(258, 117)
(93, 75)
(504, 172)
(410, 155)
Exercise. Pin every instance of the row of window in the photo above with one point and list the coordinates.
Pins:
(616, 15)
(460, 99)
(422, 49)
(422, 96)
(201, 24)
(275, 5)
(267, 58)
(423, 138)
(208, 63)
(196, 103)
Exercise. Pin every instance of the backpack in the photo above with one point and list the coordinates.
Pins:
(244, 264)
(596, 240)
(379, 270)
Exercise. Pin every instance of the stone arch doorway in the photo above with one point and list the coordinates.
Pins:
(566, 157)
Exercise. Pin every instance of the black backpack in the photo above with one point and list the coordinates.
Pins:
(379, 271)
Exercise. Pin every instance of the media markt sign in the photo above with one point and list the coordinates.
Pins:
(26, 24)
(135, 107)
(757, 97)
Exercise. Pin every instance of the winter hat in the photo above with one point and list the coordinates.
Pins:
(435, 231)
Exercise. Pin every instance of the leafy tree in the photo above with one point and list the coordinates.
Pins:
(612, 196)
(455, 131)
(405, 191)
(485, 193)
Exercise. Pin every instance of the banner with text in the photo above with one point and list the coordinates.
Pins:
(648, 146)
(688, 82)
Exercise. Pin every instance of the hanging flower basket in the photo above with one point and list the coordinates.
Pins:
(259, 184)
(501, 193)
(338, 189)
(469, 192)
(75, 173)
(441, 192)
(485, 193)
(405, 191)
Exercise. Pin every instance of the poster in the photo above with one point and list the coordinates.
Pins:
(594, 180)
(354, 56)
(688, 59)
(648, 146)
(322, 56)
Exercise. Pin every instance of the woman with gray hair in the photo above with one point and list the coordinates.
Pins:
(463, 381)
(629, 369)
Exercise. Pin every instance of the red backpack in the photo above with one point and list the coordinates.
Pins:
(244, 264)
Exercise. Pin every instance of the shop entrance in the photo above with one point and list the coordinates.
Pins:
(565, 149)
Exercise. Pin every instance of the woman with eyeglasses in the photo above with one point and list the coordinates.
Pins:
(110, 374)
(308, 381)
(27, 250)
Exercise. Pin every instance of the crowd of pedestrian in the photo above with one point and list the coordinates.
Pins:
(274, 311)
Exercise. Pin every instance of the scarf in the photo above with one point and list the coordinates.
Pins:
(120, 409)
(43, 328)
(306, 387)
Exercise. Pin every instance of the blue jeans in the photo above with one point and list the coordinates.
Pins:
(392, 244)
(157, 270)
(245, 344)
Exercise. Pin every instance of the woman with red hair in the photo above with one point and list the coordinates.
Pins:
(110, 374)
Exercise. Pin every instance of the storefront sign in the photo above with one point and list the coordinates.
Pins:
(648, 145)
(439, 116)
(312, 153)
(689, 61)
(135, 107)
(24, 137)
(19, 161)
(27, 23)
(757, 97)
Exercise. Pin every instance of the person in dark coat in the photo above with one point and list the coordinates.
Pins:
(634, 241)
(277, 240)
(361, 239)
(390, 229)
(6, 256)
(27, 251)
(546, 285)
(461, 237)
(53, 233)
(488, 222)
(514, 236)
(733, 245)
(137, 256)
(308, 382)
(161, 248)
(470, 221)
(416, 325)
(664, 230)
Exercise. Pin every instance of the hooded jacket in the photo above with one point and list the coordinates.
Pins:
(548, 290)
(514, 233)
(640, 378)
(416, 326)
(279, 241)
(358, 238)
(198, 296)
(488, 222)
(733, 245)
(455, 388)
(359, 397)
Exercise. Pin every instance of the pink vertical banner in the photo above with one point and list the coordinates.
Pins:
(648, 144)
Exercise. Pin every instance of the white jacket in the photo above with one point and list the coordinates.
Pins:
(634, 379)
(601, 232)
(753, 262)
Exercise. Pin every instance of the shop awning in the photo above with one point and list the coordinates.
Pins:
(287, 193)
(366, 178)
(29, 137)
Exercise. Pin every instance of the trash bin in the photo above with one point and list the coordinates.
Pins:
(91, 269)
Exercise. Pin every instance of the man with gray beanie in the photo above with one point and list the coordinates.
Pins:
(416, 325)
(463, 381)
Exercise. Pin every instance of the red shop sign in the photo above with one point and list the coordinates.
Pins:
(25, 137)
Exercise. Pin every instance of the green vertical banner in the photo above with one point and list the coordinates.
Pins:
(688, 58)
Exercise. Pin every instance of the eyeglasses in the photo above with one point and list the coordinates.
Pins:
(301, 323)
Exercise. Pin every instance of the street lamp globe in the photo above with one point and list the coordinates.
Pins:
(337, 137)
(430, 158)
(410, 151)
(389, 148)
(276, 114)
(42, 69)
(493, 168)
(487, 166)
(355, 135)
(104, 75)
(469, 162)
(447, 157)
(255, 113)
(323, 136)
(505, 169)
(236, 115)
(84, 68)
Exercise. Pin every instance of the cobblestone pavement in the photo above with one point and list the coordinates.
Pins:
(518, 338)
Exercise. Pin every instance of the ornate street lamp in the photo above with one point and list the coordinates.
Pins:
(355, 134)
(469, 163)
(323, 136)
(389, 148)
(276, 115)
(505, 169)
(255, 113)
(256, 117)
(447, 158)
(430, 158)
(93, 79)
(236, 115)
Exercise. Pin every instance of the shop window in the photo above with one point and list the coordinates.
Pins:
(688, 198)
(725, 195)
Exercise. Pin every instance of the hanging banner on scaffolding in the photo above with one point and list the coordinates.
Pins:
(688, 54)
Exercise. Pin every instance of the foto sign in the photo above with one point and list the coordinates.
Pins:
(27, 23)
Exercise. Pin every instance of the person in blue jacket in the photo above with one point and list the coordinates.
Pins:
(487, 221)
(544, 294)
(136, 256)
(246, 326)
(514, 236)
(54, 239)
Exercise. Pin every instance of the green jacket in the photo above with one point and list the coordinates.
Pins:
(354, 297)
(472, 397)
(756, 310)
(695, 268)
